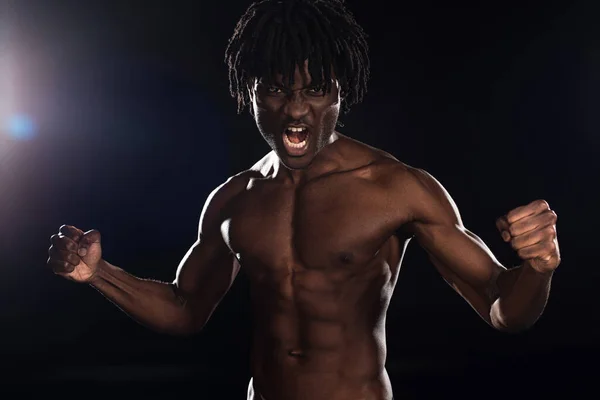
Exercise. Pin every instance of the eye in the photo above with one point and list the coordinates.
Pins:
(274, 90)
(316, 90)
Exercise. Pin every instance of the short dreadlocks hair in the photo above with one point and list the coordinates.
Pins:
(275, 36)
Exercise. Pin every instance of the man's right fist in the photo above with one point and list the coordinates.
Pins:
(75, 254)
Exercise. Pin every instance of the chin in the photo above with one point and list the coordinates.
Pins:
(297, 163)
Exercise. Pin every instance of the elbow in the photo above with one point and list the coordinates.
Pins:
(186, 323)
(511, 327)
(507, 324)
(186, 318)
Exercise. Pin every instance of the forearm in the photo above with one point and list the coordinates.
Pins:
(151, 303)
(523, 294)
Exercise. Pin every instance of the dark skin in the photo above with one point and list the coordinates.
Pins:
(321, 238)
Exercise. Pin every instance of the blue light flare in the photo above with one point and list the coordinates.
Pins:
(20, 127)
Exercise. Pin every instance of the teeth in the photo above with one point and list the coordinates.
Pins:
(292, 129)
(294, 145)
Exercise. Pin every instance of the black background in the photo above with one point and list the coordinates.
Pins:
(135, 127)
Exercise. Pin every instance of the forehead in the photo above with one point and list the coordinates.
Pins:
(301, 76)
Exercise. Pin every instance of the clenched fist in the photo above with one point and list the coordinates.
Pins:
(531, 231)
(75, 254)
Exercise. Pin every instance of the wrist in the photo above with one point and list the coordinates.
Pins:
(99, 273)
(530, 268)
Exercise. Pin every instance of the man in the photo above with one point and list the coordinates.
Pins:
(320, 224)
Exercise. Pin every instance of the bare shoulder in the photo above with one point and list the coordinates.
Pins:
(428, 200)
(361, 153)
(381, 165)
(230, 188)
(423, 196)
(237, 183)
(224, 194)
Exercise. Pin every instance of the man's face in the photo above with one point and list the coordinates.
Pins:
(298, 121)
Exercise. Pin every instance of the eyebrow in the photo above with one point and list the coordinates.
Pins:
(281, 85)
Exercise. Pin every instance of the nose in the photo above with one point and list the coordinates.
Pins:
(296, 106)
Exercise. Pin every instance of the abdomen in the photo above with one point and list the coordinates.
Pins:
(321, 334)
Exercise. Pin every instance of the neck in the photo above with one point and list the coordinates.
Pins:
(320, 165)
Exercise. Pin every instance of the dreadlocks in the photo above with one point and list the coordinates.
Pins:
(275, 36)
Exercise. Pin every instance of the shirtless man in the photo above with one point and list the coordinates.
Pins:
(319, 225)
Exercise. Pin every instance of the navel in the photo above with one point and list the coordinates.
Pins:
(296, 353)
(346, 258)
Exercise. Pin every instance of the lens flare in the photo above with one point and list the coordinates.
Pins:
(20, 127)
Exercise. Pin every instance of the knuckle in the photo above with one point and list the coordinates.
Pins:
(509, 216)
(543, 204)
(70, 245)
(69, 231)
(58, 255)
(61, 266)
(515, 244)
(73, 258)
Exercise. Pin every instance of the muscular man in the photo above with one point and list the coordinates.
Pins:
(320, 224)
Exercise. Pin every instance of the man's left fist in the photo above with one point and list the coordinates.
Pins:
(531, 231)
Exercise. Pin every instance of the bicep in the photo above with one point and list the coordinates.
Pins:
(468, 266)
(209, 268)
(461, 257)
(206, 272)
(459, 254)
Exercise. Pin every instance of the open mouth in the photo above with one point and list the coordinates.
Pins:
(295, 140)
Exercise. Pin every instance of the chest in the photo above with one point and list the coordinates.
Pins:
(332, 223)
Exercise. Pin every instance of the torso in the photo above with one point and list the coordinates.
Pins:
(322, 258)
